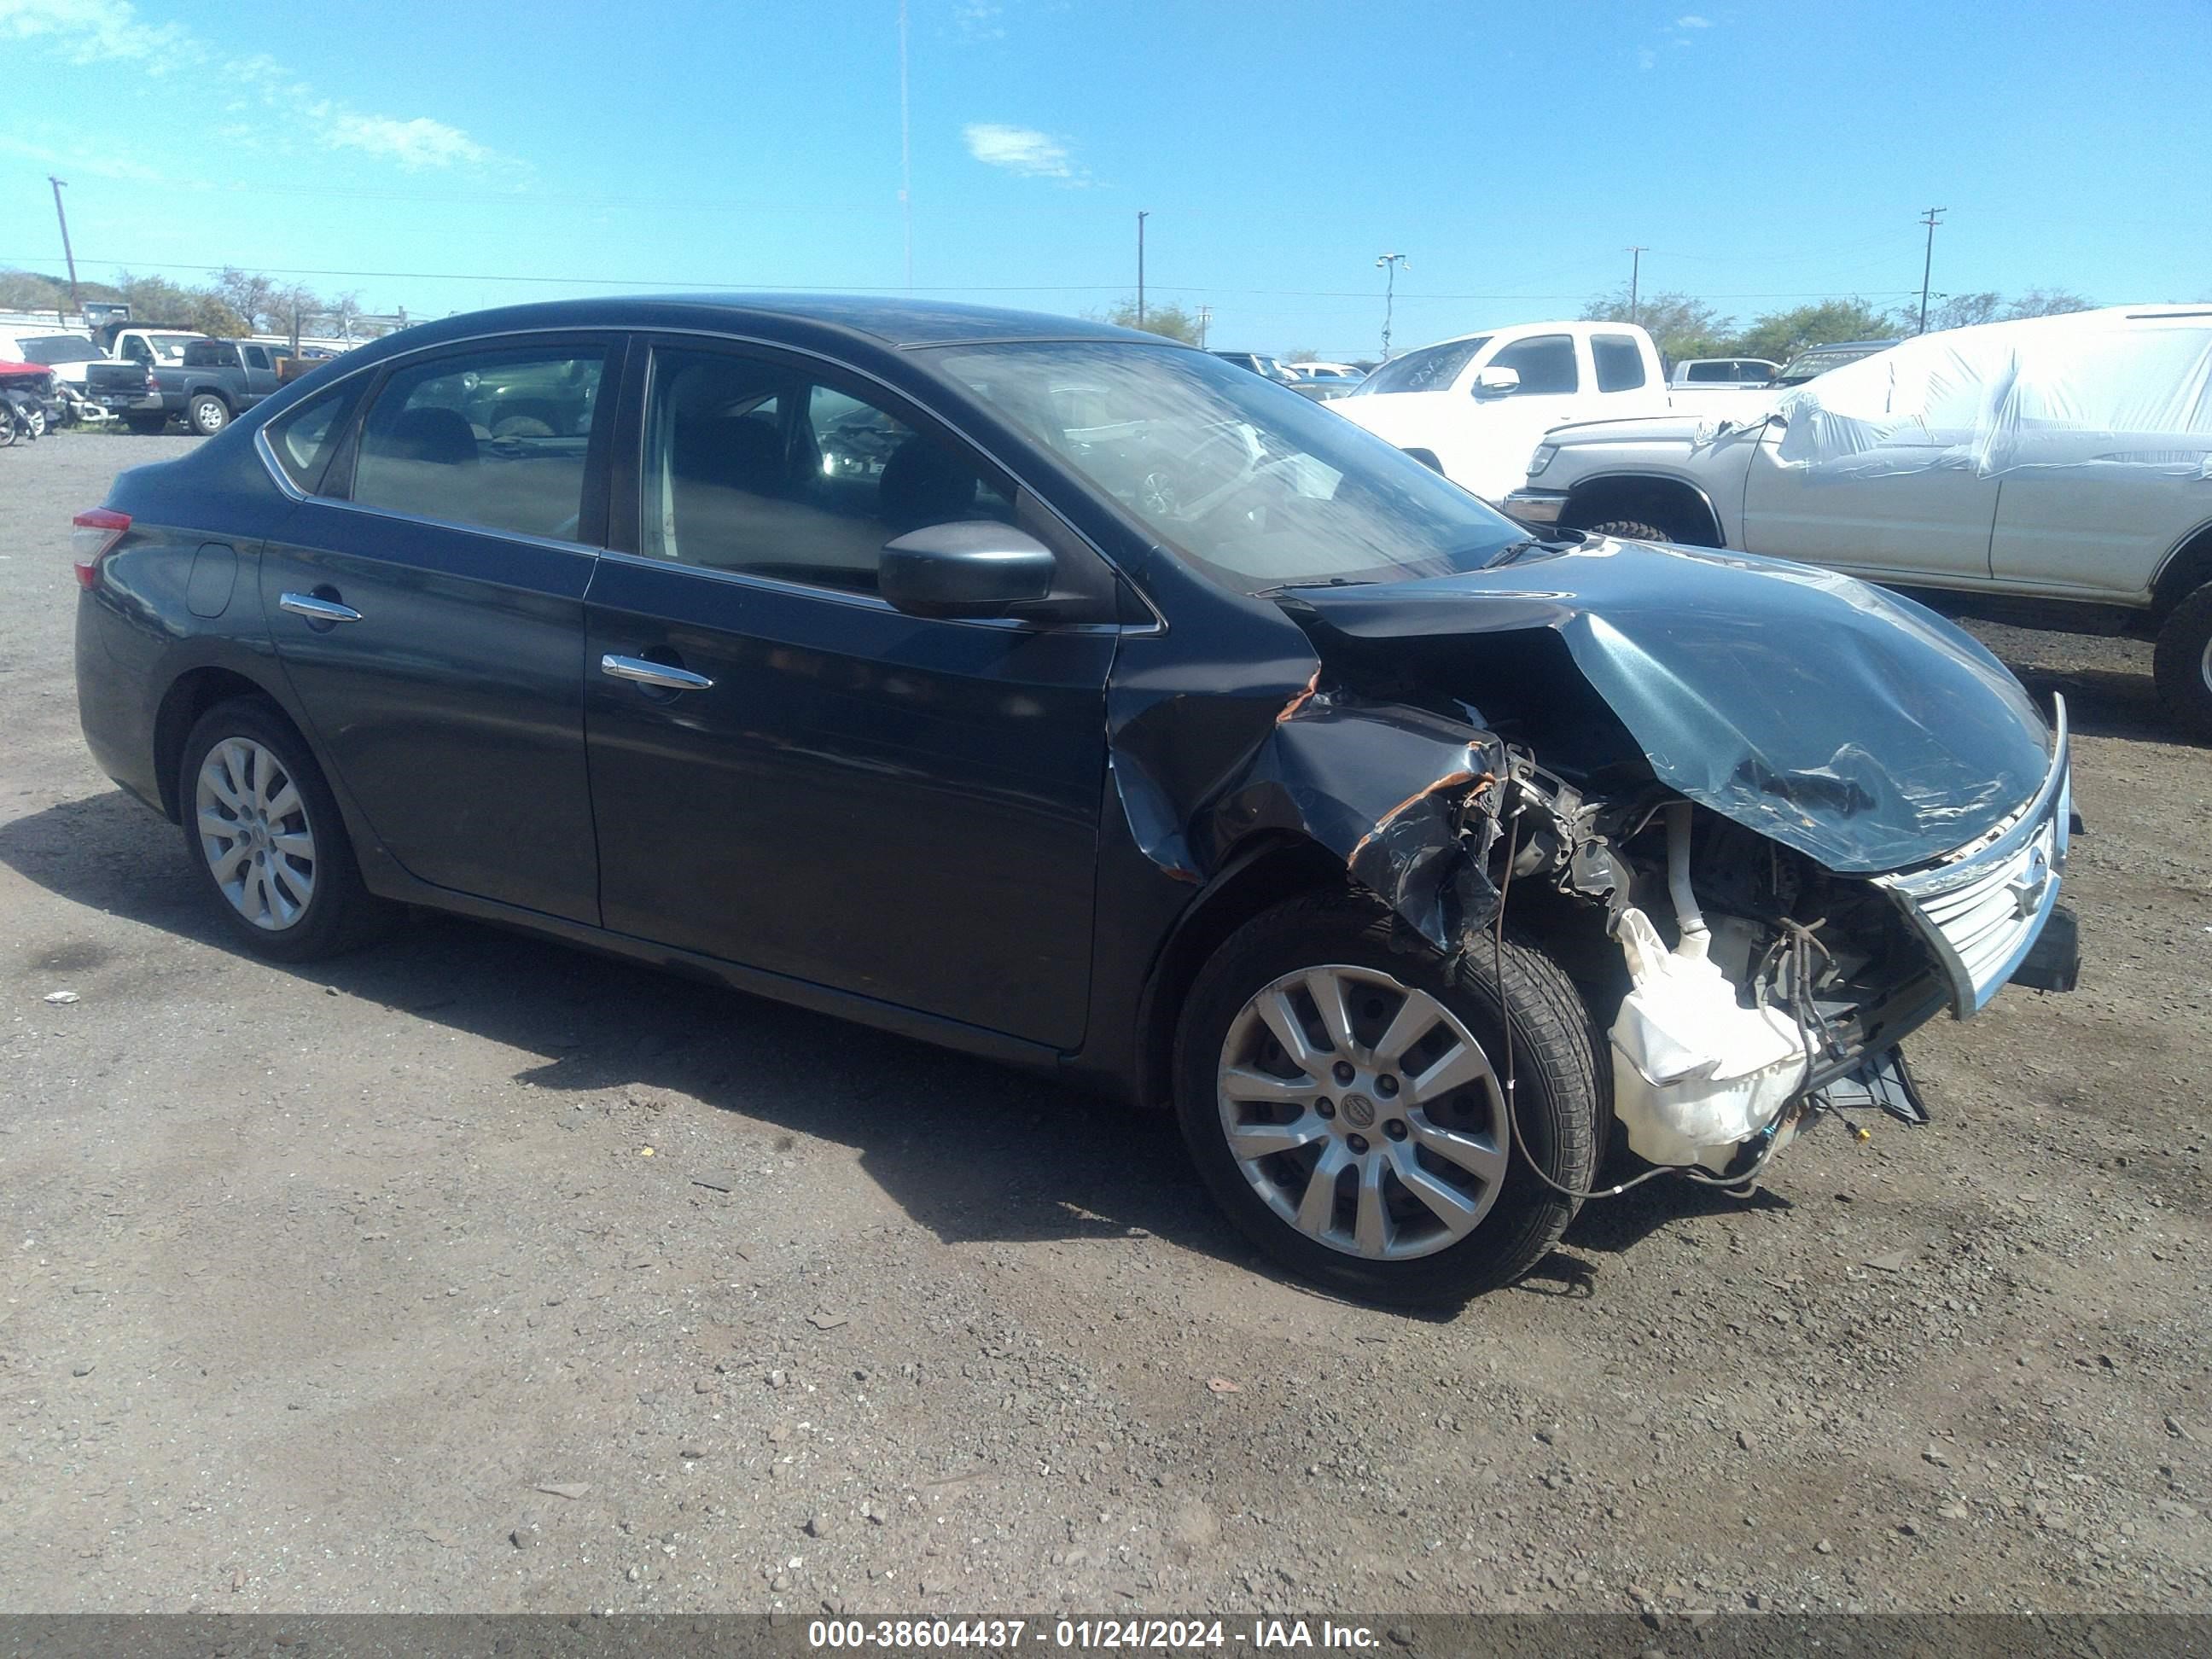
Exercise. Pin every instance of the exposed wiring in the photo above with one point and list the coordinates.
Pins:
(1505, 1027)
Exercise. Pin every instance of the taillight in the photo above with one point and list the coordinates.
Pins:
(93, 537)
(153, 386)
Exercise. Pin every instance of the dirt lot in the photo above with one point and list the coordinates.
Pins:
(472, 1273)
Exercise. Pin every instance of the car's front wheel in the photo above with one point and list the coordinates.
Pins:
(264, 832)
(1349, 1100)
(1635, 529)
(2183, 662)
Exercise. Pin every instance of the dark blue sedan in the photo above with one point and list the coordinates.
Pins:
(1073, 697)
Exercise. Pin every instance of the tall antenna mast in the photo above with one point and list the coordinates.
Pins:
(905, 152)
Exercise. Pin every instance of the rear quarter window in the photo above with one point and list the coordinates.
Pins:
(304, 440)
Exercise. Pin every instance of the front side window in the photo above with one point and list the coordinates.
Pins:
(1545, 364)
(1250, 483)
(755, 466)
(1432, 369)
(494, 439)
(1619, 362)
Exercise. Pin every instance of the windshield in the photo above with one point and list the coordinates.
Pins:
(1432, 369)
(60, 349)
(1257, 487)
(170, 348)
(1807, 364)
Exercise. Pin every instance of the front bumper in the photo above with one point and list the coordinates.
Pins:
(1536, 506)
(1982, 910)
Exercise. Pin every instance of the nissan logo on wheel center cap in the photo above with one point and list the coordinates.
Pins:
(1358, 1111)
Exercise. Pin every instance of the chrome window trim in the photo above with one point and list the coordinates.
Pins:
(859, 601)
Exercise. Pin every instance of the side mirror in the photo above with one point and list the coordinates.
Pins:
(973, 568)
(1496, 382)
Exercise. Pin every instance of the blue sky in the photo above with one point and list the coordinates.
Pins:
(451, 156)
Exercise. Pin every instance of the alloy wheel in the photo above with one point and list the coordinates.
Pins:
(254, 833)
(1363, 1112)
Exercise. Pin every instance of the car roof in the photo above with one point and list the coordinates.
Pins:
(892, 320)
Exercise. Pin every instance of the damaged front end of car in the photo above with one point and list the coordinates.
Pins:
(1769, 821)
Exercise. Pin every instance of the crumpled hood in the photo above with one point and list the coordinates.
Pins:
(1858, 727)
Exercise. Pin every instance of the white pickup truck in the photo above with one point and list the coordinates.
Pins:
(2053, 473)
(1474, 407)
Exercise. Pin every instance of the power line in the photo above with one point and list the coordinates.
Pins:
(723, 283)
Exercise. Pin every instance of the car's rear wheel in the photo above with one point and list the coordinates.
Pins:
(1350, 1102)
(2183, 663)
(265, 834)
(209, 414)
(1636, 530)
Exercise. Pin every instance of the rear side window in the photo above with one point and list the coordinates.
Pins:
(303, 440)
(256, 357)
(1618, 361)
(1699, 372)
(492, 439)
(207, 354)
(1545, 364)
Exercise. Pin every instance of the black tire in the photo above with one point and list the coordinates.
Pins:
(1635, 529)
(340, 913)
(1559, 1088)
(2183, 664)
(207, 414)
(146, 425)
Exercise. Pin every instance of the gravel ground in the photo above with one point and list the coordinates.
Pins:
(473, 1272)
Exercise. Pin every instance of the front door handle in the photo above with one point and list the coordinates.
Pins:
(315, 609)
(657, 674)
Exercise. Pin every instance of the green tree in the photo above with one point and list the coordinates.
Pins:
(1963, 310)
(26, 290)
(2047, 302)
(1780, 335)
(1683, 327)
(1172, 320)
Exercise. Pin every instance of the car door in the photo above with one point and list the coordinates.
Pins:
(2105, 461)
(426, 598)
(789, 774)
(1914, 509)
(260, 373)
(1507, 427)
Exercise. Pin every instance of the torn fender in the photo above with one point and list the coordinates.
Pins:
(1385, 787)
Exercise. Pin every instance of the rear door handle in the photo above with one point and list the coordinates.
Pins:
(315, 609)
(656, 674)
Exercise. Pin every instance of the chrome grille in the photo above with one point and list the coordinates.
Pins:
(1980, 910)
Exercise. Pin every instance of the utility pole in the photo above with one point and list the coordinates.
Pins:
(1205, 318)
(906, 153)
(1141, 217)
(1635, 274)
(69, 258)
(1927, 265)
(1389, 262)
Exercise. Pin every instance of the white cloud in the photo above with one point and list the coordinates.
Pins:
(90, 31)
(1645, 57)
(95, 31)
(1018, 149)
(79, 161)
(420, 142)
(978, 19)
(1693, 21)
